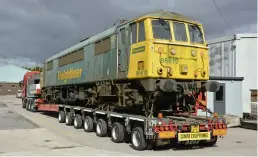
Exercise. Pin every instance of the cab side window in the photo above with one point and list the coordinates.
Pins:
(133, 33)
(141, 32)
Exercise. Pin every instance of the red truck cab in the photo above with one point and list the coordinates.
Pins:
(24, 84)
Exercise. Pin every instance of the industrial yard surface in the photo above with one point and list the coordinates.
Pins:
(26, 133)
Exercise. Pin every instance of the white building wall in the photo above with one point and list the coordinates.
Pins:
(236, 56)
(233, 98)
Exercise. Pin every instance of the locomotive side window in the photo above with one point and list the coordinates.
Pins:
(122, 36)
(133, 33)
(180, 31)
(161, 29)
(141, 32)
(71, 58)
(103, 46)
(49, 65)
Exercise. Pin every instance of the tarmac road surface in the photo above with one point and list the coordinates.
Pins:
(38, 132)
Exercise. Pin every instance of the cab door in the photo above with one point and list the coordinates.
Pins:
(123, 53)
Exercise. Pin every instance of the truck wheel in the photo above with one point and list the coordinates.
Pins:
(117, 133)
(27, 106)
(69, 119)
(61, 117)
(77, 121)
(33, 108)
(88, 124)
(101, 128)
(137, 139)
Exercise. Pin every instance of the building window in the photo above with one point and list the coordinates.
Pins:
(220, 94)
(141, 34)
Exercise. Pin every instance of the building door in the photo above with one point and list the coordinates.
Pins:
(219, 100)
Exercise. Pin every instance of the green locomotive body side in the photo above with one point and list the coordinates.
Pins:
(88, 66)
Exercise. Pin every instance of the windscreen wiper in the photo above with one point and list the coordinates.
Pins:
(164, 24)
(196, 26)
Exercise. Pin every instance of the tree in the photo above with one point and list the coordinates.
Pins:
(36, 68)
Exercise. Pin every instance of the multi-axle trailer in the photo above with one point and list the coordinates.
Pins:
(143, 132)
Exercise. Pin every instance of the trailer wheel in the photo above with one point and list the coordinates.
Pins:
(69, 119)
(88, 124)
(61, 117)
(117, 133)
(211, 142)
(137, 139)
(77, 121)
(101, 128)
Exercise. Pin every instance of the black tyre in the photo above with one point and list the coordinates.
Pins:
(138, 139)
(69, 119)
(101, 128)
(88, 124)
(27, 106)
(61, 117)
(117, 133)
(211, 142)
(77, 123)
(33, 107)
(23, 103)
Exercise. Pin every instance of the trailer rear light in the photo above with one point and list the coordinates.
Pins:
(166, 128)
(160, 115)
(161, 128)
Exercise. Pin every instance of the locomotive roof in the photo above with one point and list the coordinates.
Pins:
(157, 14)
(168, 15)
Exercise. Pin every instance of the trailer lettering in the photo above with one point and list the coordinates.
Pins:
(70, 74)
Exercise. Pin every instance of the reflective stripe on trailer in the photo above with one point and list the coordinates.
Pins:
(87, 110)
(115, 115)
(100, 112)
(136, 119)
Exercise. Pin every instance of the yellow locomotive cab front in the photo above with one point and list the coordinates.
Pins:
(171, 49)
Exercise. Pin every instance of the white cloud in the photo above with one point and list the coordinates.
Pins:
(19, 61)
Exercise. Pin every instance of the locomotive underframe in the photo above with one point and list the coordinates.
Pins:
(144, 97)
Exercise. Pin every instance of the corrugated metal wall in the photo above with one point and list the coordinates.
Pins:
(222, 59)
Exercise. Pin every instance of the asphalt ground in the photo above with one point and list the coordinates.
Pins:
(28, 133)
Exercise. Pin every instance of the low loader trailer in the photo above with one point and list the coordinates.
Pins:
(143, 132)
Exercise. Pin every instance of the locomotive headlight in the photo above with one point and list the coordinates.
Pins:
(202, 54)
(173, 52)
(193, 53)
(160, 50)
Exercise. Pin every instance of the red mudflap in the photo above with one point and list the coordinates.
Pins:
(48, 107)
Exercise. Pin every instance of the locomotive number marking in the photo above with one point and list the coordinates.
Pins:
(172, 60)
(70, 74)
(141, 72)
